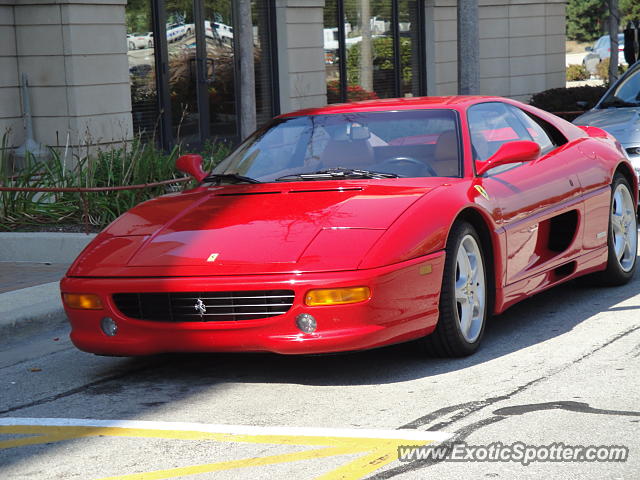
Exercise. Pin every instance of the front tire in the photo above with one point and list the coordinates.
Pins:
(463, 297)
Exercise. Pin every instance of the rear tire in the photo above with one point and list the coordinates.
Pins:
(463, 297)
(622, 237)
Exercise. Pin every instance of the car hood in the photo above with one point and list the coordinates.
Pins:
(248, 230)
(622, 123)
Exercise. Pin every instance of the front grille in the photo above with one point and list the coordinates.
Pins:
(214, 306)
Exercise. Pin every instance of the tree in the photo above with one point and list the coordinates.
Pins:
(586, 19)
(383, 65)
(629, 10)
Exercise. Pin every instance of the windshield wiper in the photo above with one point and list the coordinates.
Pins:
(218, 178)
(336, 174)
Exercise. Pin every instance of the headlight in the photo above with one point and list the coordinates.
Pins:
(336, 296)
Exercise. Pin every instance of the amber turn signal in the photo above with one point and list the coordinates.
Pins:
(337, 296)
(82, 301)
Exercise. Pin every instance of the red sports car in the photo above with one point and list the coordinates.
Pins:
(360, 225)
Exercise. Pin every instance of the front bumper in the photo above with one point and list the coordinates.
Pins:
(403, 306)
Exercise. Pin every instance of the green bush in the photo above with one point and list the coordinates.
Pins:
(576, 73)
(602, 69)
(133, 164)
(565, 99)
(383, 65)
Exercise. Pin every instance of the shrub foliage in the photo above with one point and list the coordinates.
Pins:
(134, 164)
(565, 99)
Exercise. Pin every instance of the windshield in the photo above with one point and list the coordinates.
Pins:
(416, 143)
(625, 94)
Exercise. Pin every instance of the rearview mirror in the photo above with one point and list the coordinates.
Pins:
(510, 152)
(191, 165)
(359, 133)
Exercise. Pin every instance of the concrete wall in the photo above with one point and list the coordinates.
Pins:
(9, 91)
(522, 47)
(301, 67)
(74, 53)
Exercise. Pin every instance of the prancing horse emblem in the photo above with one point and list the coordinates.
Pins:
(200, 307)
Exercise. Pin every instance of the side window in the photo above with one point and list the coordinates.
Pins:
(536, 132)
(491, 125)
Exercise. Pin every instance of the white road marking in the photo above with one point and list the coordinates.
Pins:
(403, 434)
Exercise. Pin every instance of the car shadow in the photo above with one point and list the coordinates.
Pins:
(533, 321)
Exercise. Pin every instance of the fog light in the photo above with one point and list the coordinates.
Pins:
(109, 326)
(306, 323)
(82, 301)
(337, 296)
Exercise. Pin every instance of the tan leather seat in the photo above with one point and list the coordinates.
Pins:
(347, 153)
(445, 156)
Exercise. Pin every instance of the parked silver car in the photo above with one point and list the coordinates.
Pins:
(618, 112)
(602, 48)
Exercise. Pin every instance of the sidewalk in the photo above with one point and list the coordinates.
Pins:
(19, 275)
(31, 265)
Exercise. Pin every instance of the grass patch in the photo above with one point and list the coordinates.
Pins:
(133, 164)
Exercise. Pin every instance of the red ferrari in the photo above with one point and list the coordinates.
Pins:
(360, 225)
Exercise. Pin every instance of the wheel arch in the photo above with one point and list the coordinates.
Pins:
(627, 171)
(489, 247)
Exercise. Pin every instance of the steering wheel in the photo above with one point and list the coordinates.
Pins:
(412, 161)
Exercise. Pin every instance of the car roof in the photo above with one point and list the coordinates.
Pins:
(457, 102)
(607, 38)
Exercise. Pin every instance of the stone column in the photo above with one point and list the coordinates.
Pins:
(74, 53)
(468, 48)
(302, 75)
(10, 110)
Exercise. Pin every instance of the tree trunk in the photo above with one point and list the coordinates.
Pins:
(366, 56)
(614, 24)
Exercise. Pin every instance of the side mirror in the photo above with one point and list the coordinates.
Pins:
(191, 165)
(588, 49)
(510, 152)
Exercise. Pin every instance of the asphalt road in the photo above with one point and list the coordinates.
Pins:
(562, 367)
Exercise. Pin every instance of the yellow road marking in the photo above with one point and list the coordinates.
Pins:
(372, 453)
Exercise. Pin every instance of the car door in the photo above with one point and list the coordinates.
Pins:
(539, 202)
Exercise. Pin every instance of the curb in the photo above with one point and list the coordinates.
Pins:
(30, 309)
(42, 247)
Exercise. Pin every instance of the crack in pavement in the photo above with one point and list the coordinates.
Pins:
(73, 391)
(467, 408)
(570, 406)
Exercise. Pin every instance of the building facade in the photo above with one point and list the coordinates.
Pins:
(190, 71)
